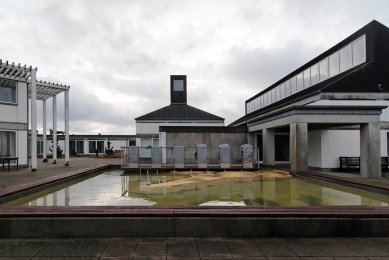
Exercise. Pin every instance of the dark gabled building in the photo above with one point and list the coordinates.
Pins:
(343, 88)
(178, 113)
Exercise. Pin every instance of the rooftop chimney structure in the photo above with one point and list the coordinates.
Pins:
(178, 89)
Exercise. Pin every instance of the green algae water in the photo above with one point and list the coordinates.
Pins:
(114, 189)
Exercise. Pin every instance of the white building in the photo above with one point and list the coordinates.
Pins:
(18, 84)
(81, 145)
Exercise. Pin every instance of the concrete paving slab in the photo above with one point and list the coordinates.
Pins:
(275, 249)
(60, 248)
(30, 248)
(120, 248)
(151, 249)
(243, 249)
(209, 248)
(300, 248)
(7, 245)
(182, 249)
(92, 248)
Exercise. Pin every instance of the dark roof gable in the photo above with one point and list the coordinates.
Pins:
(179, 112)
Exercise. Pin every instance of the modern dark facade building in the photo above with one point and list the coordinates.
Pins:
(334, 105)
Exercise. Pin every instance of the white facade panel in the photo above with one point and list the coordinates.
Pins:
(153, 128)
(8, 113)
(22, 103)
(21, 144)
(314, 148)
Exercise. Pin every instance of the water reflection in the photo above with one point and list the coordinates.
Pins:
(112, 188)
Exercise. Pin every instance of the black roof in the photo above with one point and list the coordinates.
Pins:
(179, 112)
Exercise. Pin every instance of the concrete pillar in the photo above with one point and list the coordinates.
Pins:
(67, 197)
(268, 147)
(298, 147)
(370, 141)
(66, 127)
(54, 129)
(33, 122)
(44, 132)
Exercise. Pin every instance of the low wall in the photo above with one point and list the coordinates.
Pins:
(194, 222)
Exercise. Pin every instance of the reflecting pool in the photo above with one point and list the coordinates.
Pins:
(114, 189)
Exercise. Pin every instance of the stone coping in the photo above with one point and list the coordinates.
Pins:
(196, 211)
(366, 184)
(50, 180)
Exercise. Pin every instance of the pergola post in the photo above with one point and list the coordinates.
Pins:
(44, 132)
(33, 122)
(66, 127)
(54, 129)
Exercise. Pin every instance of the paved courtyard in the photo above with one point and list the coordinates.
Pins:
(197, 248)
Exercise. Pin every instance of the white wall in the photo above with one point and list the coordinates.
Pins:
(153, 128)
(314, 148)
(326, 146)
(22, 147)
(18, 113)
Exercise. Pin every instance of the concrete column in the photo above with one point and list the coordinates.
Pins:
(268, 147)
(370, 141)
(67, 197)
(33, 122)
(66, 127)
(298, 147)
(44, 132)
(54, 130)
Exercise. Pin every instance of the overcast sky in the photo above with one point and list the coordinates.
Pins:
(117, 56)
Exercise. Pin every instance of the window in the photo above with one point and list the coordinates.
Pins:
(314, 74)
(178, 85)
(8, 91)
(345, 58)
(100, 146)
(359, 51)
(39, 147)
(80, 147)
(7, 144)
(155, 142)
(334, 64)
(299, 79)
(287, 88)
(72, 147)
(293, 85)
(307, 78)
(323, 66)
(145, 151)
(92, 146)
(283, 91)
(277, 90)
(273, 96)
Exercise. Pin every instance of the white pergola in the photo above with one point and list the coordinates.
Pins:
(39, 90)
